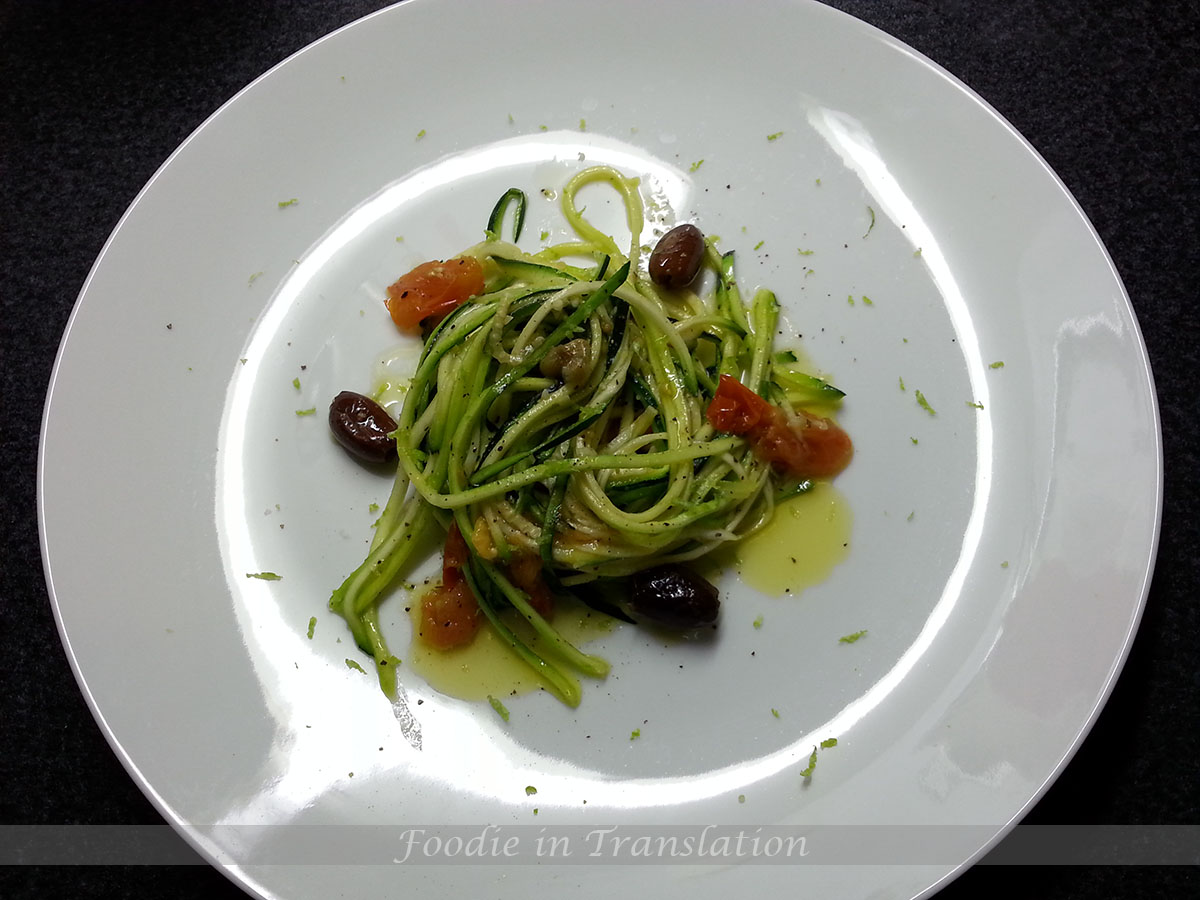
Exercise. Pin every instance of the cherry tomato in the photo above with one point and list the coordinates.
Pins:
(805, 446)
(735, 409)
(454, 555)
(525, 571)
(432, 290)
(450, 614)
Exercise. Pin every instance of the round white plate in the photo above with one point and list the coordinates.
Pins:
(1001, 545)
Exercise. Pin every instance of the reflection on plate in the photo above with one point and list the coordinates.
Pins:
(915, 243)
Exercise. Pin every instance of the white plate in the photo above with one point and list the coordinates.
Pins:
(999, 557)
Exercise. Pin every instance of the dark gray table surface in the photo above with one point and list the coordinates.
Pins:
(95, 95)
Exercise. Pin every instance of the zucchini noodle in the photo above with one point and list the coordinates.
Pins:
(561, 413)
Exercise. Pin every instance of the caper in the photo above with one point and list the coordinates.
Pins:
(677, 258)
(362, 426)
(568, 363)
(674, 597)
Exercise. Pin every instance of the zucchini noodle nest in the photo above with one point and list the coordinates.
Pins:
(561, 414)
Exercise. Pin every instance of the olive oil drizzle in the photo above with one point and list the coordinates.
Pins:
(805, 540)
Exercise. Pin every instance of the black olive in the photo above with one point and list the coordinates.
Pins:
(677, 258)
(362, 426)
(674, 596)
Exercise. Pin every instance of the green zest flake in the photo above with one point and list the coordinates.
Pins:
(530, 790)
(924, 404)
(296, 383)
(258, 275)
(998, 364)
(828, 742)
(804, 252)
(354, 665)
(758, 622)
(975, 404)
(818, 182)
(420, 134)
(871, 212)
(867, 301)
(917, 252)
(373, 508)
(543, 127)
(741, 798)
(1004, 565)
(851, 638)
(696, 165)
(850, 299)
(499, 708)
(914, 440)
(812, 764)
(543, 235)
(583, 124)
(510, 119)
(774, 712)
(306, 412)
(910, 516)
(808, 272)
(902, 387)
(774, 137)
(264, 576)
(399, 239)
(635, 734)
(759, 244)
(312, 626)
(283, 204)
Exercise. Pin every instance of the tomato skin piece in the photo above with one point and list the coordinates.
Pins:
(432, 291)
(805, 446)
(450, 614)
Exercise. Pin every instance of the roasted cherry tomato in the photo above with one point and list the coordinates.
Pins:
(805, 446)
(735, 409)
(454, 555)
(525, 571)
(450, 613)
(432, 290)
